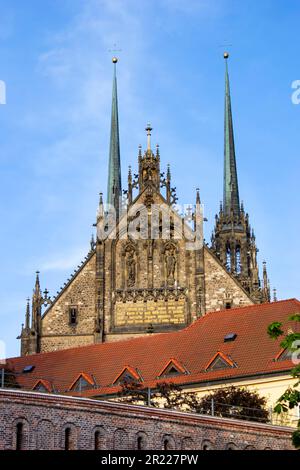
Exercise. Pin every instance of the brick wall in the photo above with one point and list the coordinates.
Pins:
(55, 422)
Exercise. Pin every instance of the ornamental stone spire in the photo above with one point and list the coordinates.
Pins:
(231, 201)
(114, 185)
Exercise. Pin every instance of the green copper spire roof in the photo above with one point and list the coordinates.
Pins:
(114, 185)
(231, 189)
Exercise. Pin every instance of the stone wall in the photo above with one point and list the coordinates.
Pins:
(57, 333)
(32, 420)
(220, 286)
(150, 301)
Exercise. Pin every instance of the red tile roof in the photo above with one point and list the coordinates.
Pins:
(252, 352)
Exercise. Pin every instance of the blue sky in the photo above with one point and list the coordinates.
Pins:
(54, 129)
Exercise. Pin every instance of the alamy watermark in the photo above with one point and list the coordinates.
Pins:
(152, 222)
(296, 94)
(2, 92)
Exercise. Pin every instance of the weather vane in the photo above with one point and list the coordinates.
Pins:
(226, 46)
(114, 49)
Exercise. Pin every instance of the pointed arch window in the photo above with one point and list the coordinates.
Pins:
(73, 316)
(228, 257)
(238, 266)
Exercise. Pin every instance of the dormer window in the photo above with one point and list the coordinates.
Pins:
(82, 382)
(73, 316)
(219, 362)
(127, 375)
(286, 354)
(172, 368)
(43, 386)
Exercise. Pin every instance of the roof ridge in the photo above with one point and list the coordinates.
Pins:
(96, 345)
(146, 338)
(238, 310)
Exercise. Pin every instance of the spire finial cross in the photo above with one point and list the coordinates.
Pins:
(114, 50)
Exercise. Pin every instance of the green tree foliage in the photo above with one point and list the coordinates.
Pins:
(231, 402)
(291, 397)
(234, 402)
(166, 394)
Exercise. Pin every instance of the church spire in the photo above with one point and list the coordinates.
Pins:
(233, 241)
(114, 185)
(231, 190)
(36, 303)
(27, 316)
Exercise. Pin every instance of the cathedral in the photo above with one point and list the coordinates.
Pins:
(165, 278)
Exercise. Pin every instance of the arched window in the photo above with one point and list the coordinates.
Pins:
(139, 443)
(168, 443)
(67, 439)
(73, 316)
(228, 258)
(97, 440)
(20, 436)
(207, 445)
(231, 446)
(238, 266)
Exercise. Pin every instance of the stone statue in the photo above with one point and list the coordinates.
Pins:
(131, 271)
(171, 263)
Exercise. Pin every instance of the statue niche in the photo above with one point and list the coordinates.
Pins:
(170, 262)
(131, 268)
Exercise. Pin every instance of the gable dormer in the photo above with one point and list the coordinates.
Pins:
(172, 369)
(43, 386)
(219, 362)
(128, 374)
(82, 382)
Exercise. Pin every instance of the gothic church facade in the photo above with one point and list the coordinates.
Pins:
(129, 286)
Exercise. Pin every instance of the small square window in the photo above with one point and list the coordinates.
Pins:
(73, 316)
